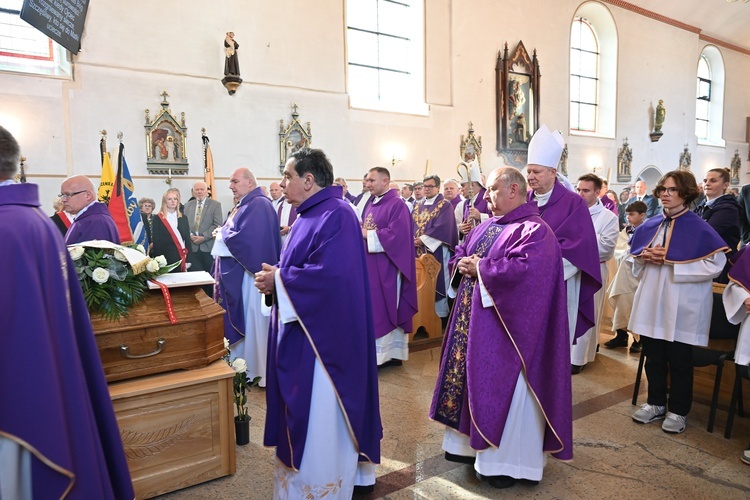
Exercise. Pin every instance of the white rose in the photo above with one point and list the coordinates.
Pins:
(141, 249)
(152, 266)
(100, 275)
(161, 261)
(239, 365)
(76, 252)
(226, 343)
(120, 256)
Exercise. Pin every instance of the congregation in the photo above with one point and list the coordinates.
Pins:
(503, 390)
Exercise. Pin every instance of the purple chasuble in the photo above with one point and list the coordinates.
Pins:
(253, 238)
(486, 348)
(390, 219)
(568, 216)
(324, 275)
(609, 204)
(455, 201)
(439, 222)
(479, 203)
(95, 223)
(740, 271)
(688, 237)
(54, 398)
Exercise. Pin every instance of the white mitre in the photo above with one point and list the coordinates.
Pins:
(475, 173)
(546, 148)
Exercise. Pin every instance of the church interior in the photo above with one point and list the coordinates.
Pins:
(612, 76)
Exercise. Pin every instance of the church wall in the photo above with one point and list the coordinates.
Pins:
(292, 51)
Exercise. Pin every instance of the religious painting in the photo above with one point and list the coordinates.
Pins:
(517, 103)
(293, 137)
(471, 147)
(166, 141)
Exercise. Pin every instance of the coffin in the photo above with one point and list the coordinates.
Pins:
(426, 323)
(145, 342)
(176, 428)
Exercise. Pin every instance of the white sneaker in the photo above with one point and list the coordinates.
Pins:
(648, 413)
(674, 423)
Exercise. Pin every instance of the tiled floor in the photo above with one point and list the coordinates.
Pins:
(614, 457)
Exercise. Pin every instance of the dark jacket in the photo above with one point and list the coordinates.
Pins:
(163, 243)
(724, 216)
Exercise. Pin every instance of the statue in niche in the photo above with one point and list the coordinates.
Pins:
(624, 159)
(685, 159)
(231, 64)
(661, 113)
(734, 168)
(170, 149)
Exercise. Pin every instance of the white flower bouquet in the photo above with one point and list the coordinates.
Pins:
(241, 384)
(113, 277)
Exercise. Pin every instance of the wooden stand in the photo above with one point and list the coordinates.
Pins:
(177, 428)
(426, 318)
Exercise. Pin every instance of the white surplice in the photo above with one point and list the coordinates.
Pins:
(432, 244)
(734, 304)
(607, 228)
(623, 286)
(253, 347)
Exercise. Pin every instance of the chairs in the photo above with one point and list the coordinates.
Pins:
(721, 329)
(735, 404)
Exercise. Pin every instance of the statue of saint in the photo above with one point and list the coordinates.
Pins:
(685, 159)
(735, 166)
(624, 159)
(661, 112)
(231, 64)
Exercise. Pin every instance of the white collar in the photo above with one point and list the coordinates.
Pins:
(542, 199)
(429, 201)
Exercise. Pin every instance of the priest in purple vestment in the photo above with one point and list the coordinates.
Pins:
(322, 394)
(503, 389)
(452, 192)
(386, 229)
(248, 238)
(435, 232)
(91, 219)
(58, 433)
(568, 216)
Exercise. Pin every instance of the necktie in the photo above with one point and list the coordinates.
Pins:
(198, 215)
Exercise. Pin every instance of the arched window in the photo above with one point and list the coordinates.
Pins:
(385, 55)
(25, 49)
(709, 103)
(593, 71)
(584, 76)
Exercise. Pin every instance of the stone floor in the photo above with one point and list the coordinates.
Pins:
(614, 457)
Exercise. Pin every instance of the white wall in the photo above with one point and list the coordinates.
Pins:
(293, 51)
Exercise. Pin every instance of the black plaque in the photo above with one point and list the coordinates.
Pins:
(61, 20)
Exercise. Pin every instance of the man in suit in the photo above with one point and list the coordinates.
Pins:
(642, 195)
(204, 216)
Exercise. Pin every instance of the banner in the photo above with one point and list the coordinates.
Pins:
(107, 181)
(208, 167)
(123, 206)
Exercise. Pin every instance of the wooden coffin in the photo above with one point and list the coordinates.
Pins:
(426, 323)
(176, 428)
(145, 342)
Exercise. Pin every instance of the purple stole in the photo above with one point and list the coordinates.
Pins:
(390, 219)
(324, 275)
(455, 201)
(292, 212)
(436, 220)
(693, 238)
(569, 217)
(740, 271)
(95, 223)
(253, 238)
(486, 348)
(611, 205)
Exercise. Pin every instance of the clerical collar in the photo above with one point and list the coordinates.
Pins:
(596, 207)
(81, 211)
(542, 199)
(429, 201)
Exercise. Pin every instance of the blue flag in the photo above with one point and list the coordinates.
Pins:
(131, 228)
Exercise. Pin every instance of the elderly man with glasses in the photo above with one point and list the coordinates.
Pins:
(435, 232)
(91, 219)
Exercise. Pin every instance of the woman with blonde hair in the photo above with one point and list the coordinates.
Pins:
(171, 231)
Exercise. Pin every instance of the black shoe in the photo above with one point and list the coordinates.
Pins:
(391, 362)
(636, 346)
(364, 490)
(459, 458)
(576, 369)
(501, 482)
(621, 340)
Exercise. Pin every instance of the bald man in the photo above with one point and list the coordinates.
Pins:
(91, 219)
(204, 216)
(249, 237)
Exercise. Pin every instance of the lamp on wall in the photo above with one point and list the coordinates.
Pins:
(394, 152)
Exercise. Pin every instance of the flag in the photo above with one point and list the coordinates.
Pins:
(107, 181)
(208, 167)
(123, 206)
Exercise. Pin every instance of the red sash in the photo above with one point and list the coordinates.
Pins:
(64, 218)
(176, 241)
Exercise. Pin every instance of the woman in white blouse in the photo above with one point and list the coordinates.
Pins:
(171, 230)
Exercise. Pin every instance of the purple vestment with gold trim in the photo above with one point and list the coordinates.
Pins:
(437, 221)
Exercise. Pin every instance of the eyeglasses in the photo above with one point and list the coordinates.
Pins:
(429, 186)
(70, 195)
(671, 191)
